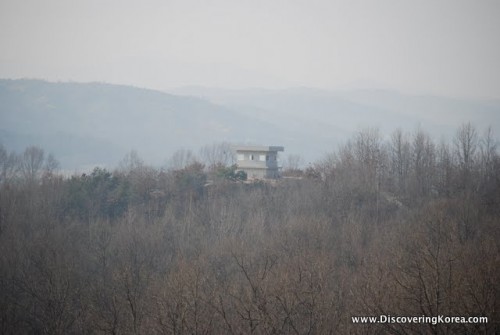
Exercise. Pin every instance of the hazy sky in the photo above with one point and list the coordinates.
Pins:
(442, 47)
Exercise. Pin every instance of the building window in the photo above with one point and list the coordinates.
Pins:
(251, 157)
(262, 158)
(241, 157)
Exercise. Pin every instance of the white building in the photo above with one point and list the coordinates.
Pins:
(258, 161)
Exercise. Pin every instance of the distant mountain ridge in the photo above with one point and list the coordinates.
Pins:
(95, 123)
(351, 109)
(86, 124)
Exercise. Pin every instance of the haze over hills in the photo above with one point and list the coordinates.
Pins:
(86, 124)
(89, 124)
(348, 110)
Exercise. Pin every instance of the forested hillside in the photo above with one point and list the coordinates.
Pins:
(402, 227)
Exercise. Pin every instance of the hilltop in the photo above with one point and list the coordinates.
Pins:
(87, 124)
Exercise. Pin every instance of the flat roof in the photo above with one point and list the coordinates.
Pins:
(258, 148)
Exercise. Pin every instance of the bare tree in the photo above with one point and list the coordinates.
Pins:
(51, 165)
(217, 154)
(131, 161)
(292, 164)
(488, 153)
(9, 165)
(181, 159)
(445, 169)
(368, 153)
(400, 158)
(424, 160)
(32, 162)
(466, 142)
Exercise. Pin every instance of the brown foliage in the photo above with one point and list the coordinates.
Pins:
(376, 229)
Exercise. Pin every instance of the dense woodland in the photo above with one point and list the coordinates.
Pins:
(401, 226)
